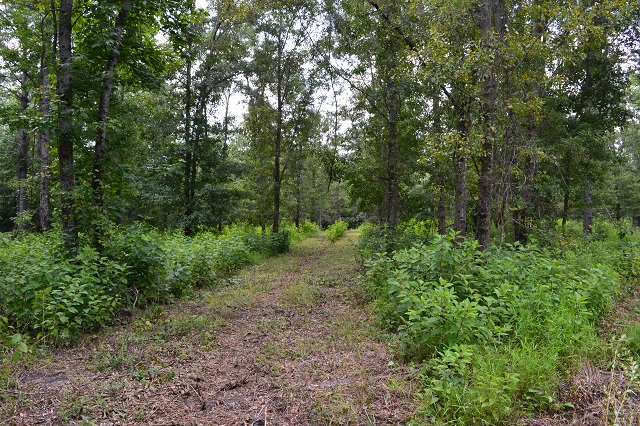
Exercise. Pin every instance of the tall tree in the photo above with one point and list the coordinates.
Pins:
(65, 125)
(282, 46)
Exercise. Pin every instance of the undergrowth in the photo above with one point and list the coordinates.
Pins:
(48, 296)
(495, 333)
(336, 230)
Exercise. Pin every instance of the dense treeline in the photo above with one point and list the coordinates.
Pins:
(482, 116)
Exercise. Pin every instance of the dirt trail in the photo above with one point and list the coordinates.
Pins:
(286, 342)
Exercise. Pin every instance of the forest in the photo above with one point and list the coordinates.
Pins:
(482, 158)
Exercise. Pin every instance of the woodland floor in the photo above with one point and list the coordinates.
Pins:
(286, 342)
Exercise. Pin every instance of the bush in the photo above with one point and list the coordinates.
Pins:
(139, 251)
(305, 230)
(45, 294)
(478, 319)
(336, 230)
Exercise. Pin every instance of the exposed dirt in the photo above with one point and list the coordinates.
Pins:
(287, 342)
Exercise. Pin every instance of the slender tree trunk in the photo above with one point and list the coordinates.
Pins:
(23, 152)
(188, 212)
(393, 106)
(392, 161)
(587, 218)
(225, 128)
(44, 137)
(527, 200)
(460, 167)
(65, 125)
(277, 173)
(440, 179)
(105, 99)
(298, 198)
(489, 96)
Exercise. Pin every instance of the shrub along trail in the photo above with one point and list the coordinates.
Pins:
(285, 342)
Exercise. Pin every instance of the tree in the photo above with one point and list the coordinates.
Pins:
(279, 84)
(65, 125)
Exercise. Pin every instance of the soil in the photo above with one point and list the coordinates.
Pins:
(287, 342)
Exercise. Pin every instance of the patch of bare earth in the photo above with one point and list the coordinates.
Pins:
(285, 343)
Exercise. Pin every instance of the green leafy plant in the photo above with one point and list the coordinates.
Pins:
(336, 230)
(480, 320)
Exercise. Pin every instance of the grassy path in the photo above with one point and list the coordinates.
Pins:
(286, 342)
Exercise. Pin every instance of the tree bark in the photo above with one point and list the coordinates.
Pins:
(277, 173)
(441, 208)
(488, 10)
(105, 99)
(23, 152)
(527, 199)
(188, 212)
(460, 167)
(44, 137)
(567, 192)
(392, 159)
(65, 125)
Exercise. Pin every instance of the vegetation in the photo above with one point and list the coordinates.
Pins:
(47, 296)
(336, 230)
(497, 332)
(489, 151)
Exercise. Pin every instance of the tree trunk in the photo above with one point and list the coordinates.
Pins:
(461, 194)
(393, 106)
(489, 97)
(188, 212)
(44, 137)
(23, 152)
(65, 125)
(392, 161)
(460, 166)
(298, 215)
(440, 179)
(567, 192)
(103, 108)
(277, 173)
(522, 230)
(587, 218)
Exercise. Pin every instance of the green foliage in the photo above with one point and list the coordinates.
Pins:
(375, 239)
(497, 330)
(138, 250)
(46, 295)
(305, 230)
(336, 230)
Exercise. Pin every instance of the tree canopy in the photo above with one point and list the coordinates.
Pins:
(492, 118)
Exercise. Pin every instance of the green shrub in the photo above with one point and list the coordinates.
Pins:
(138, 249)
(336, 230)
(477, 319)
(45, 294)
